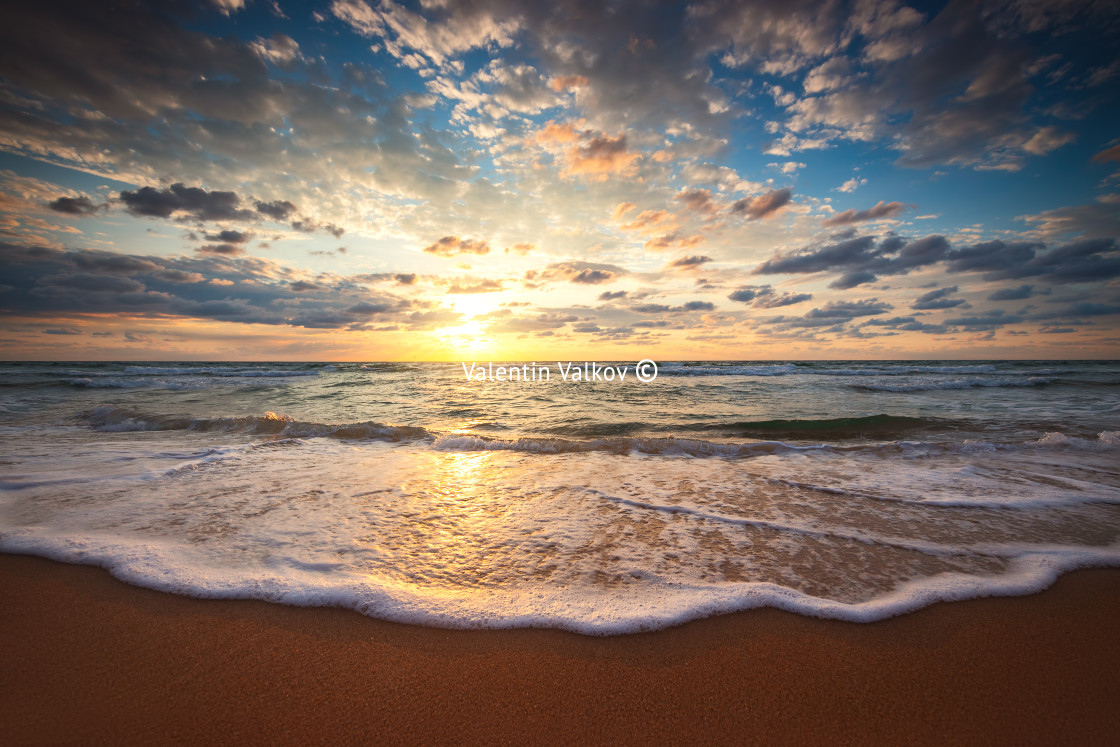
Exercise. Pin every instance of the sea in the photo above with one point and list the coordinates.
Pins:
(414, 492)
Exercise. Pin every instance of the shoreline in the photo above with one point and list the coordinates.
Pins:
(90, 658)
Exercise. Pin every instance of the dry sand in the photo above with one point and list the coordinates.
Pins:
(86, 658)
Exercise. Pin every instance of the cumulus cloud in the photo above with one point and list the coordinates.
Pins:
(195, 202)
(878, 211)
(450, 246)
(1100, 219)
(764, 297)
(689, 263)
(278, 210)
(937, 299)
(658, 308)
(1020, 293)
(81, 205)
(602, 157)
(763, 205)
(580, 273)
(219, 286)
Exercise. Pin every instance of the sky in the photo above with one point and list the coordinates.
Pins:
(519, 180)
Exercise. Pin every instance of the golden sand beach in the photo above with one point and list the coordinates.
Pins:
(90, 659)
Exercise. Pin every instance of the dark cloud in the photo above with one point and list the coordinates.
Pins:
(230, 237)
(657, 308)
(1081, 261)
(112, 263)
(689, 262)
(776, 300)
(763, 205)
(907, 324)
(405, 278)
(581, 273)
(91, 282)
(309, 225)
(850, 309)
(937, 299)
(612, 295)
(227, 288)
(278, 210)
(365, 308)
(860, 259)
(588, 276)
(879, 210)
(764, 297)
(1012, 294)
(1096, 220)
(194, 202)
(229, 250)
(989, 320)
(76, 206)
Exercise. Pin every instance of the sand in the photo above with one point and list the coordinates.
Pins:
(84, 657)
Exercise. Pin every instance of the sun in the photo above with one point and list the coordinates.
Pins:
(469, 337)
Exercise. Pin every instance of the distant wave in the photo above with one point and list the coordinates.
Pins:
(701, 448)
(786, 369)
(921, 386)
(117, 419)
(218, 371)
(880, 426)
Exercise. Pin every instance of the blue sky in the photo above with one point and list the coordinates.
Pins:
(500, 179)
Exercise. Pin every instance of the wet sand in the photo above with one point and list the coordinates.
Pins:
(86, 658)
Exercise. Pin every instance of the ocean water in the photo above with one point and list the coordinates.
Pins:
(410, 492)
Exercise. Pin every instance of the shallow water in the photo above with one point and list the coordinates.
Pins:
(409, 492)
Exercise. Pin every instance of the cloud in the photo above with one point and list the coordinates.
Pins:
(657, 308)
(450, 246)
(196, 202)
(81, 205)
(580, 273)
(850, 309)
(986, 321)
(1081, 261)
(278, 210)
(697, 200)
(445, 31)
(601, 157)
(1107, 155)
(1095, 220)
(612, 295)
(861, 260)
(691, 262)
(937, 299)
(851, 185)
(230, 237)
(228, 250)
(1012, 294)
(764, 297)
(763, 205)
(482, 286)
(879, 210)
(247, 290)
